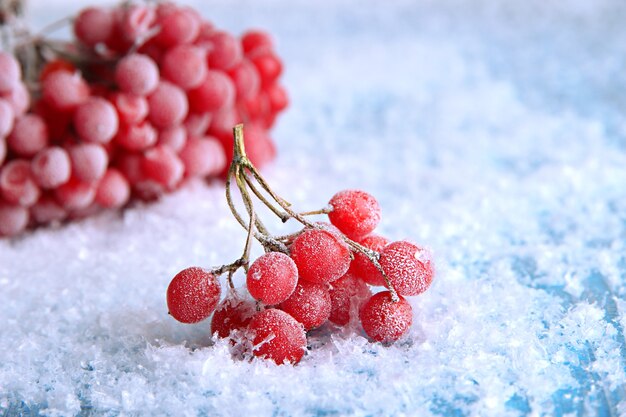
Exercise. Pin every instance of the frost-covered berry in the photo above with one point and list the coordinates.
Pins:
(192, 295)
(113, 189)
(185, 66)
(96, 120)
(232, 313)
(137, 74)
(320, 255)
(13, 219)
(161, 164)
(356, 213)
(63, 90)
(309, 304)
(202, 156)
(347, 295)
(363, 267)
(89, 161)
(93, 25)
(17, 184)
(272, 278)
(168, 105)
(409, 267)
(29, 135)
(385, 320)
(277, 336)
(51, 167)
(75, 194)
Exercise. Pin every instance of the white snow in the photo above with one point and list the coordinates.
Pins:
(492, 132)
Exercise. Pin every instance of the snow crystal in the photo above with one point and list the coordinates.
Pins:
(491, 131)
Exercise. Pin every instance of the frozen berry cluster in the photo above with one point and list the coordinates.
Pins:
(144, 98)
(322, 273)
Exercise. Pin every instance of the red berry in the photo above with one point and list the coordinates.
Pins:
(18, 98)
(96, 120)
(347, 295)
(269, 66)
(47, 210)
(309, 304)
(408, 266)
(113, 189)
(135, 22)
(63, 90)
(385, 320)
(256, 40)
(356, 213)
(246, 79)
(131, 109)
(272, 278)
(174, 137)
(7, 117)
(185, 66)
(13, 219)
(215, 92)
(196, 124)
(177, 26)
(233, 313)
(361, 264)
(51, 167)
(75, 195)
(321, 256)
(277, 336)
(202, 157)
(137, 74)
(89, 161)
(225, 51)
(192, 295)
(29, 135)
(17, 183)
(168, 105)
(162, 165)
(137, 137)
(93, 25)
(10, 72)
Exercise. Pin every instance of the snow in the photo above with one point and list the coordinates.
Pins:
(490, 131)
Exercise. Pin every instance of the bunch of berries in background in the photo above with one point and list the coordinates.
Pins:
(143, 99)
(321, 273)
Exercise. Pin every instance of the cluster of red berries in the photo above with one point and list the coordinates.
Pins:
(145, 98)
(320, 274)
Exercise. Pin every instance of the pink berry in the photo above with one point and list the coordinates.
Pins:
(75, 195)
(13, 219)
(136, 137)
(89, 161)
(363, 267)
(225, 51)
(7, 116)
(93, 25)
(47, 210)
(277, 97)
(385, 320)
(233, 313)
(196, 124)
(320, 256)
(185, 66)
(113, 189)
(51, 167)
(135, 22)
(409, 267)
(17, 183)
(10, 72)
(18, 98)
(177, 26)
(64, 90)
(96, 120)
(192, 295)
(29, 135)
(246, 79)
(347, 295)
(268, 65)
(272, 278)
(131, 109)
(309, 304)
(174, 137)
(202, 157)
(215, 92)
(356, 213)
(162, 165)
(168, 105)
(256, 40)
(137, 74)
(277, 336)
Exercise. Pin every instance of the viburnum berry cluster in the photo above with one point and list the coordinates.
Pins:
(321, 273)
(144, 98)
